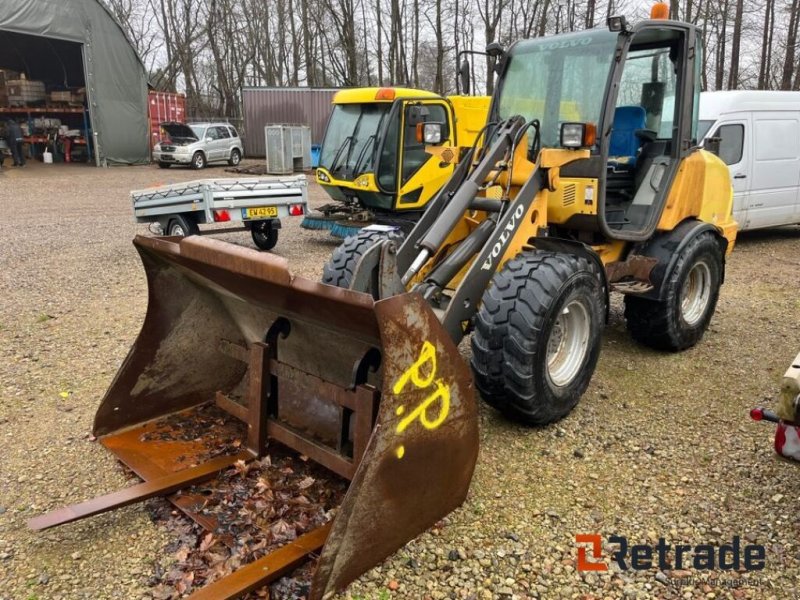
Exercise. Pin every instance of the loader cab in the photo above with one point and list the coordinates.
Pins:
(635, 85)
(371, 152)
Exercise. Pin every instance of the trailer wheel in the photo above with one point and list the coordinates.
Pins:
(182, 226)
(198, 161)
(264, 235)
(236, 158)
(339, 269)
(164, 165)
(690, 298)
(537, 335)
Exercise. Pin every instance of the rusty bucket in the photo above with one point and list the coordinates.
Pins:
(374, 391)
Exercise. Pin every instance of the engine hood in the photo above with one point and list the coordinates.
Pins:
(179, 133)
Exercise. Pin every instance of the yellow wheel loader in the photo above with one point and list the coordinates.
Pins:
(373, 162)
(239, 359)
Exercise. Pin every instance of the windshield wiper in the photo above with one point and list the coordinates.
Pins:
(347, 141)
(370, 140)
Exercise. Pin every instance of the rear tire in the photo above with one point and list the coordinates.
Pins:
(339, 269)
(690, 298)
(236, 158)
(198, 161)
(182, 226)
(264, 236)
(164, 165)
(537, 335)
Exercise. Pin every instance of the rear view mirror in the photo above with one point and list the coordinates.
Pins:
(416, 114)
(464, 76)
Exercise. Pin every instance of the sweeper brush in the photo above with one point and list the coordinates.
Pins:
(236, 354)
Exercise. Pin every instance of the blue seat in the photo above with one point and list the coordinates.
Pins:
(624, 141)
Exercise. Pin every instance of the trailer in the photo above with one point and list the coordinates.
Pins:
(259, 203)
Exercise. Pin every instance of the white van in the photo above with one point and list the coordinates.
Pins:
(759, 135)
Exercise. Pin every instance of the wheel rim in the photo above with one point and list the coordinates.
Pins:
(696, 293)
(568, 343)
(198, 161)
(235, 157)
(177, 230)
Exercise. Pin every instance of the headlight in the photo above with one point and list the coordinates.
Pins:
(429, 133)
(323, 176)
(157, 147)
(578, 135)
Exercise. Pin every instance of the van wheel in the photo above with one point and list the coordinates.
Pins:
(198, 161)
(182, 226)
(236, 158)
(690, 298)
(339, 269)
(537, 335)
(265, 237)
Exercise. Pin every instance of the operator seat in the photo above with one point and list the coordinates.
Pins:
(625, 143)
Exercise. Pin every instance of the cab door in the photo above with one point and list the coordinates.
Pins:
(735, 141)
(419, 174)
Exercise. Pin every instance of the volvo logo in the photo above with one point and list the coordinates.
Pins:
(497, 249)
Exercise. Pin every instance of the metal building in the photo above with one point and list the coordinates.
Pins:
(292, 106)
(79, 44)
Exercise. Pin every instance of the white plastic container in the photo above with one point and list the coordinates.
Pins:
(47, 157)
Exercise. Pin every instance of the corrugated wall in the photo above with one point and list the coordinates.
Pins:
(294, 106)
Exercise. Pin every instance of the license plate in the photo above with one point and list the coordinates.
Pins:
(167, 157)
(260, 212)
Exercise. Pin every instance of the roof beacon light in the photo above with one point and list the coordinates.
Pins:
(660, 10)
(385, 94)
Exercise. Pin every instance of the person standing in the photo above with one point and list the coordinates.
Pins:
(14, 138)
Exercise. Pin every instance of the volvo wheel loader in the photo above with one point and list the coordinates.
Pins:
(373, 162)
(540, 220)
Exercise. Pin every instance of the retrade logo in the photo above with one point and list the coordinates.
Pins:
(641, 557)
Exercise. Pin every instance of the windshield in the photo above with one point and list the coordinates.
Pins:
(199, 131)
(703, 127)
(556, 80)
(351, 138)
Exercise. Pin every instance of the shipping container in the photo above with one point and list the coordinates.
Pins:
(264, 106)
(163, 107)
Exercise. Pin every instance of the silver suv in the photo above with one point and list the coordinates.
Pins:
(197, 145)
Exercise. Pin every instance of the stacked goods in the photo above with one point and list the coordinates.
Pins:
(23, 92)
(6, 75)
(61, 96)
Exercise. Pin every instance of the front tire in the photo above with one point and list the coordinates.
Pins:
(265, 237)
(198, 161)
(537, 335)
(690, 298)
(339, 269)
(236, 158)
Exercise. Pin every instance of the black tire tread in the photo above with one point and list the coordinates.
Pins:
(515, 305)
(339, 269)
(652, 323)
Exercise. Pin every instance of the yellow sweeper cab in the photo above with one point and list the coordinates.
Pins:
(373, 162)
(238, 358)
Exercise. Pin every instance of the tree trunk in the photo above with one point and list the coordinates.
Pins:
(733, 76)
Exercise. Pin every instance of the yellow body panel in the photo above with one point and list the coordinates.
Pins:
(701, 189)
(367, 95)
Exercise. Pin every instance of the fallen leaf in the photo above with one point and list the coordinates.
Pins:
(306, 483)
(207, 542)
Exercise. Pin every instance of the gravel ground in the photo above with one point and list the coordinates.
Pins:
(660, 446)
